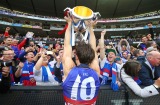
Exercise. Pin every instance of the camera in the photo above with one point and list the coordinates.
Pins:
(5, 64)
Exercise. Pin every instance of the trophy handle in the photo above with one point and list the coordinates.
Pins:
(67, 10)
(96, 15)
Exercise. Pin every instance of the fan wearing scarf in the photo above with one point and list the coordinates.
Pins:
(80, 83)
(43, 73)
(108, 66)
(129, 75)
(25, 70)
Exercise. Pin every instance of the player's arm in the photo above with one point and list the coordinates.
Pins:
(68, 64)
(95, 63)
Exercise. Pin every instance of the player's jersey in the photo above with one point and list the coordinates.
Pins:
(81, 86)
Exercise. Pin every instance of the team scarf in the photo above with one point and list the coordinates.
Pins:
(45, 74)
(27, 71)
(122, 52)
(61, 68)
(143, 46)
(106, 71)
(137, 80)
(12, 77)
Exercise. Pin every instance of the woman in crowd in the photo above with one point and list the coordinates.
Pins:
(44, 73)
(123, 46)
(129, 75)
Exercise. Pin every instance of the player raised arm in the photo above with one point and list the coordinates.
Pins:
(68, 64)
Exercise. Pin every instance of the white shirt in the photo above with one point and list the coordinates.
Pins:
(102, 62)
(38, 77)
(119, 67)
(51, 63)
(147, 62)
(145, 92)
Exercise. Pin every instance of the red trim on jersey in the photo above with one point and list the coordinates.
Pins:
(115, 73)
(31, 73)
(6, 34)
(25, 75)
(101, 72)
(106, 70)
(75, 102)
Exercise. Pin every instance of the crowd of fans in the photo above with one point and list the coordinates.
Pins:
(35, 65)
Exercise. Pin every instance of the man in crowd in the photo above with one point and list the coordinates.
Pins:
(143, 44)
(25, 71)
(149, 69)
(7, 72)
(109, 68)
(16, 47)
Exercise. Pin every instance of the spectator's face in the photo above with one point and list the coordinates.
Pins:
(74, 53)
(31, 44)
(144, 39)
(133, 50)
(8, 55)
(45, 61)
(154, 45)
(8, 41)
(125, 55)
(154, 60)
(141, 53)
(58, 47)
(111, 56)
(30, 56)
(14, 42)
(119, 62)
(48, 57)
(149, 36)
(123, 48)
(22, 48)
(61, 53)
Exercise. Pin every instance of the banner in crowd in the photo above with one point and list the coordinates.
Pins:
(5, 23)
(37, 27)
(27, 26)
(17, 25)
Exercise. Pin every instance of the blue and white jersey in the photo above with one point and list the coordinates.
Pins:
(81, 86)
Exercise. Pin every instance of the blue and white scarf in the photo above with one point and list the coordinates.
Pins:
(106, 71)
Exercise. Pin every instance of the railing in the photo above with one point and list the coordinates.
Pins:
(20, 95)
(96, 29)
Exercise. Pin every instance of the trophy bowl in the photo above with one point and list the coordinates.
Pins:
(82, 12)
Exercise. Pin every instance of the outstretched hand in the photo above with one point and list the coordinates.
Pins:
(8, 28)
(103, 32)
(68, 18)
(91, 23)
